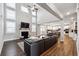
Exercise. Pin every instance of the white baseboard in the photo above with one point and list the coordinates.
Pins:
(10, 39)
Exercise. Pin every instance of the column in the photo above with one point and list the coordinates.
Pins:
(36, 22)
(62, 31)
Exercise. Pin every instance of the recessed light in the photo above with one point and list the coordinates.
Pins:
(72, 18)
(68, 13)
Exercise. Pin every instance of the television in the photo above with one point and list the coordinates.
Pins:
(24, 25)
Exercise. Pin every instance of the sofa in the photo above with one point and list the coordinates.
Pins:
(36, 48)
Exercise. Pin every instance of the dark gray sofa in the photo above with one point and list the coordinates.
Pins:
(38, 47)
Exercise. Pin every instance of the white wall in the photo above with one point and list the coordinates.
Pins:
(72, 27)
(78, 29)
(1, 28)
(62, 31)
(20, 17)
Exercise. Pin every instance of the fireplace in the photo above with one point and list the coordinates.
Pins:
(24, 34)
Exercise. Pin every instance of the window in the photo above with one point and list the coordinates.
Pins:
(10, 14)
(33, 28)
(33, 22)
(55, 28)
(33, 19)
(10, 27)
(10, 18)
(42, 29)
(49, 27)
(12, 5)
(66, 27)
(24, 9)
(1, 9)
(34, 13)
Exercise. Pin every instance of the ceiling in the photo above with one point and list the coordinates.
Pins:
(45, 16)
(62, 8)
(65, 8)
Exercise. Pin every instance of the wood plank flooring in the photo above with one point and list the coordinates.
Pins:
(66, 48)
(11, 48)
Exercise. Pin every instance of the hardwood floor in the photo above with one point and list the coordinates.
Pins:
(11, 48)
(66, 48)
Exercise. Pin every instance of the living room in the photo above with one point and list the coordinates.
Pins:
(37, 28)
